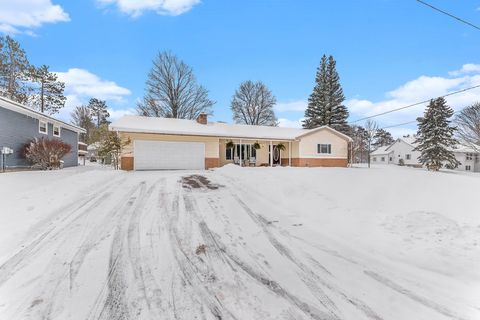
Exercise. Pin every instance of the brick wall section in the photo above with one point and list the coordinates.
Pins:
(212, 163)
(126, 163)
(314, 162)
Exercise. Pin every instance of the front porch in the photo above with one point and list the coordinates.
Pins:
(255, 152)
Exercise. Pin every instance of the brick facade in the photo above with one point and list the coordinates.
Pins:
(314, 162)
(212, 163)
(126, 163)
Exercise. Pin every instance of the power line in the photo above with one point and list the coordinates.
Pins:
(405, 123)
(449, 14)
(415, 104)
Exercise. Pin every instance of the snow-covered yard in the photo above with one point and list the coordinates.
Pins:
(278, 243)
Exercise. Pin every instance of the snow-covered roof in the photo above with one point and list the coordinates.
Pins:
(17, 107)
(466, 149)
(381, 151)
(216, 129)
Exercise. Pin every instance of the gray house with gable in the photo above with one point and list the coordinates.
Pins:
(20, 125)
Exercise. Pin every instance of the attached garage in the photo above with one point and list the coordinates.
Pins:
(168, 155)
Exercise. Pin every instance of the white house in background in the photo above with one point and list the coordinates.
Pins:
(382, 156)
(468, 157)
(402, 150)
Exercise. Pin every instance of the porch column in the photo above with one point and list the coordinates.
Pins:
(240, 157)
(289, 153)
(271, 153)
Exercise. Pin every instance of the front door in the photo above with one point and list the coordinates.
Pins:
(276, 155)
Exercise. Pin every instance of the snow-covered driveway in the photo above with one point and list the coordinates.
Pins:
(240, 243)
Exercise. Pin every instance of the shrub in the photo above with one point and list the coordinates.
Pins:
(46, 153)
(401, 162)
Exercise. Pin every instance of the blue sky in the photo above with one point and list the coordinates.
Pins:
(389, 52)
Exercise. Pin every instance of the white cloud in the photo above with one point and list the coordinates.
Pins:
(298, 105)
(466, 68)
(81, 85)
(118, 113)
(21, 16)
(164, 7)
(287, 123)
(81, 82)
(420, 89)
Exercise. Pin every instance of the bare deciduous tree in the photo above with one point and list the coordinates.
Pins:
(371, 128)
(172, 91)
(468, 125)
(253, 104)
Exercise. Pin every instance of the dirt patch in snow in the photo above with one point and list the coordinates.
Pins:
(198, 182)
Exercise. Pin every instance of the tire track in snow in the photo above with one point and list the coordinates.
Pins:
(221, 252)
(191, 273)
(415, 297)
(307, 274)
(23, 256)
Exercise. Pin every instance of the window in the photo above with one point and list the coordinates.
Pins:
(324, 148)
(468, 168)
(229, 154)
(43, 127)
(390, 159)
(383, 159)
(56, 131)
(408, 157)
(469, 156)
(374, 159)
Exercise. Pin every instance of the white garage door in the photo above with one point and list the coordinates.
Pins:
(156, 155)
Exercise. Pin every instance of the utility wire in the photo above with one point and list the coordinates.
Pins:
(449, 14)
(405, 123)
(415, 104)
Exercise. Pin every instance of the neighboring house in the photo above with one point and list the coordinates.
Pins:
(161, 143)
(402, 150)
(19, 125)
(382, 156)
(468, 157)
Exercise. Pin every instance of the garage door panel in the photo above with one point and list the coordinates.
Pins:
(158, 155)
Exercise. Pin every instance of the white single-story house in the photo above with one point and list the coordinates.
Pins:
(166, 143)
(382, 156)
(402, 150)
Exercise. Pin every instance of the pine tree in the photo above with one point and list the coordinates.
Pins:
(48, 94)
(325, 104)
(382, 138)
(435, 136)
(14, 70)
(99, 111)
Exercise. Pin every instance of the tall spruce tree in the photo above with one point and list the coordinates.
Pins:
(48, 94)
(435, 136)
(14, 70)
(325, 104)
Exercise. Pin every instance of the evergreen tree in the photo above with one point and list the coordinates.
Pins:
(99, 111)
(382, 138)
(48, 94)
(325, 104)
(14, 70)
(435, 136)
